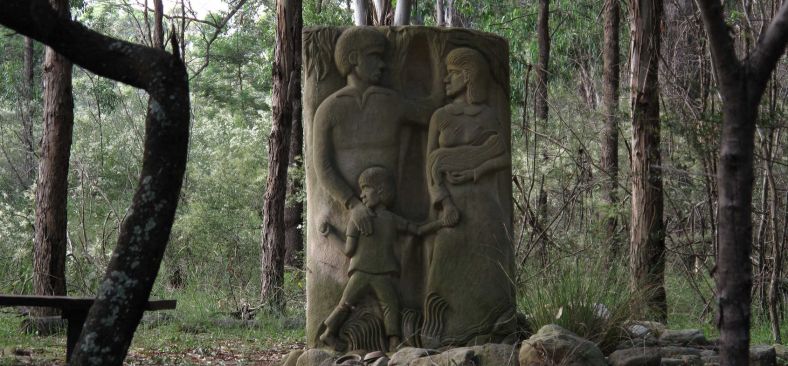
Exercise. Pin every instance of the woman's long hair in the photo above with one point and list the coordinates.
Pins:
(473, 63)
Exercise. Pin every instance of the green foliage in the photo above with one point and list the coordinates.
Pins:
(584, 297)
(16, 238)
(212, 261)
(332, 12)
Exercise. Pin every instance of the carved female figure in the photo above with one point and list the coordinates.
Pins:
(470, 296)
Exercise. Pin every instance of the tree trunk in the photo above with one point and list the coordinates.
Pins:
(741, 84)
(440, 17)
(760, 241)
(452, 17)
(143, 236)
(49, 258)
(542, 69)
(158, 25)
(609, 160)
(402, 13)
(777, 262)
(286, 95)
(27, 115)
(361, 13)
(294, 224)
(647, 234)
(382, 14)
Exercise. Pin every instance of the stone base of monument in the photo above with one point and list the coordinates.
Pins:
(492, 354)
(648, 344)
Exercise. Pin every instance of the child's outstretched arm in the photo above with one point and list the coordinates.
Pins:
(429, 227)
(413, 228)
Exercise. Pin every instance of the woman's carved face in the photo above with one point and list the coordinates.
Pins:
(456, 80)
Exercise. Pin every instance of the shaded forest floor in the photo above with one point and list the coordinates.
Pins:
(203, 331)
(209, 342)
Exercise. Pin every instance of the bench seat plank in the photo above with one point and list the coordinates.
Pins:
(75, 310)
(68, 302)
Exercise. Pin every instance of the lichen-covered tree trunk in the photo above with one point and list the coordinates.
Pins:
(143, 236)
(647, 234)
(286, 90)
(542, 69)
(609, 159)
(741, 84)
(49, 256)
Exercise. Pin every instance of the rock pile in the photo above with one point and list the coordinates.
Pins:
(648, 344)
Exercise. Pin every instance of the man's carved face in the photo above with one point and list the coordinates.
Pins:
(456, 80)
(369, 65)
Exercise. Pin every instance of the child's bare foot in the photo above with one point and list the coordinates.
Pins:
(332, 340)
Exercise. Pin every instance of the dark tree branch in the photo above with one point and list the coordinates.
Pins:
(144, 234)
(723, 52)
(134, 67)
(770, 49)
(218, 29)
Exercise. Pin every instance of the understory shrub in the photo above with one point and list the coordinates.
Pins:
(586, 298)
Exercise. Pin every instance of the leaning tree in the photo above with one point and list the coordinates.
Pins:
(742, 83)
(123, 293)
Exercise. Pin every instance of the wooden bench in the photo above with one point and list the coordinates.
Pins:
(74, 311)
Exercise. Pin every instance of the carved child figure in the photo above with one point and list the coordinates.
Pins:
(373, 265)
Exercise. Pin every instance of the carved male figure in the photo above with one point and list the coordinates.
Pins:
(359, 125)
(373, 264)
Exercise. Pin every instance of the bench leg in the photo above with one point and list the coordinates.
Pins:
(75, 319)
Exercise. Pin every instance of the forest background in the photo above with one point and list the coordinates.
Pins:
(569, 237)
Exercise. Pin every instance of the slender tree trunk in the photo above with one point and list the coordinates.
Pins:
(382, 13)
(286, 94)
(452, 17)
(647, 234)
(741, 83)
(294, 238)
(49, 259)
(440, 17)
(609, 161)
(28, 141)
(776, 277)
(542, 68)
(402, 13)
(760, 240)
(777, 262)
(158, 24)
(361, 13)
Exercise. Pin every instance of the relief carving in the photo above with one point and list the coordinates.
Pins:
(469, 267)
(418, 118)
(374, 268)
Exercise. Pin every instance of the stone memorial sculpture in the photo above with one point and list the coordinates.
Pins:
(428, 108)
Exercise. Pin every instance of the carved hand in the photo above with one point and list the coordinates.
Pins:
(459, 177)
(450, 215)
(324, 228)
(361, 216)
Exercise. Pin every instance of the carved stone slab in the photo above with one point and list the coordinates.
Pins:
(408, 169)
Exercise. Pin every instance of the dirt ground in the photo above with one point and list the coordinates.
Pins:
(225, 354)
